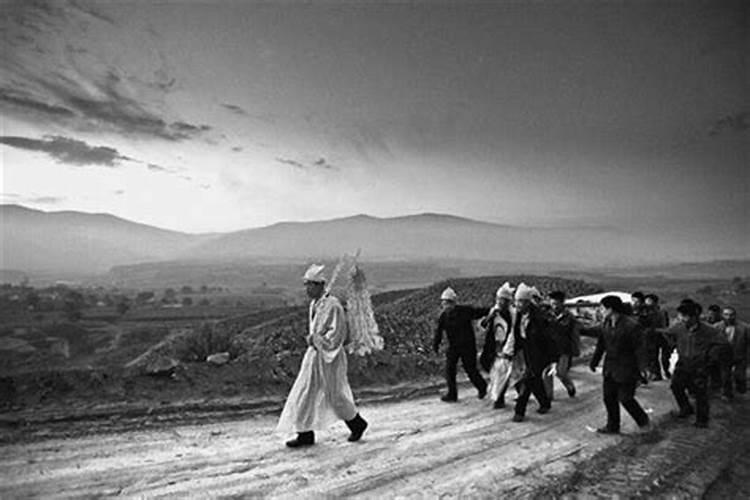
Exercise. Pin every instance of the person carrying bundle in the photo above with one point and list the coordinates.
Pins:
(497, 327)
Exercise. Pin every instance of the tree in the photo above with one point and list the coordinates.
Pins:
(170, 295)
(143, 298)
(73, 305)
(187, 290)
(187, 301)
(123, 306)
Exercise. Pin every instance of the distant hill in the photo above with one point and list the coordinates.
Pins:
(33, 240)
(69, 242)
(424, 236)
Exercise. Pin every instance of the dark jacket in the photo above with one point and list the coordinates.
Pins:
(489, 351)
(565, 333)
(539, 349)
(694, 344)
(623, 343)
(740, 341)
(456, 323)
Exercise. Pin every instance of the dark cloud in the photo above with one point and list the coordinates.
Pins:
(120, 192)
(66, 150)
(46, 200)
(237, 149)
(85, 92)
(157, 168)
(320, 163)
(27, 103)
(738, 122)
(235, 109)
(293, 163)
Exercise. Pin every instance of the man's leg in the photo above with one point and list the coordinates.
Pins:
(451, 360)
(523, 399)
(536, 384)
(626, 396)
(563, 373)
(679, 386)
(699, 384)
(666, 354)
(469, 360)
(652, 352)
(740, 376)
(611, 403)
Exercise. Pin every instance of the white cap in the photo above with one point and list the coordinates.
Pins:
(314, 273)
(505, 291)
(448, 294)
(524, 292)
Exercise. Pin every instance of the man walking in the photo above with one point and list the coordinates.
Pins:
(737, 335)
(694, 340)
(658, 349)
(533, 351)
(621, 338)
(321, 393)
(497, 328)
(455, 320)
(565, 333)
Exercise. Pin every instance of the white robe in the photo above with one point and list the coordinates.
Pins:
(321, 393)
(500, 370)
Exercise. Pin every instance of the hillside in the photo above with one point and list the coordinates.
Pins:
(68, 241)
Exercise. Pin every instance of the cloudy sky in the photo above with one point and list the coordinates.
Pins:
(216, 116)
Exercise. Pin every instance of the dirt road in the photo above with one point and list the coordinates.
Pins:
(415, 447)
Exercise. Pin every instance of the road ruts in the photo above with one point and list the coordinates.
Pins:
(677, 460)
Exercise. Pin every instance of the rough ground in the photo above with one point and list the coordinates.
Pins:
(418, 447)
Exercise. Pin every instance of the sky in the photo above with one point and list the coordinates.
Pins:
(220, 116)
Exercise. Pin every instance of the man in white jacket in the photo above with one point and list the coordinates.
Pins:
(321, 393)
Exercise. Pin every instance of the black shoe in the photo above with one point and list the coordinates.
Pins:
(357, 425)
(543, 409)
(572, 392)
(683, 413)
(607, 430)
(517, 418)
(499, 404)
(448, 398)
(701, 425)
(482, 392)
(302, 439)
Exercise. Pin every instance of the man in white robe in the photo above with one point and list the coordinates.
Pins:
(321, 393)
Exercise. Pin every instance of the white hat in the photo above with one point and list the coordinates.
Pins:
(314, 273)
(448, 294)
(524, 292)
(505, 291)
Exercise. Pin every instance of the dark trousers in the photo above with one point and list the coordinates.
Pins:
(531, 384)
(658, 350)
(621, 393)
(468, 359)
(734, 376)
(694, 380)
(719, 369)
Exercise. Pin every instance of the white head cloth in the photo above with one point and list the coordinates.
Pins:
(315, 273)
(505, 291)
(448, 294)
(524, 292)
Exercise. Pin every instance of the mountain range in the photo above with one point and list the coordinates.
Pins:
(70, 242)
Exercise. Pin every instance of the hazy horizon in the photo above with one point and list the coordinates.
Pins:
(223, 116)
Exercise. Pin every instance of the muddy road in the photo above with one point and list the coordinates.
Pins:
(414, 447)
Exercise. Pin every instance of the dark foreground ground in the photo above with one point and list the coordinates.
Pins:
(416, 446)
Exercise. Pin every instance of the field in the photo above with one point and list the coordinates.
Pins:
(157, 357)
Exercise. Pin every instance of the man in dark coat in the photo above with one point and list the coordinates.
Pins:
(734, 369)
(532, 345)
(658, 349)
(456, 321)
(621, 338)
(565, 333)
(694, 340)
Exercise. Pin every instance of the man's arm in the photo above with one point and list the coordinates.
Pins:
(330, 339)
(598, 353)
(438, 334)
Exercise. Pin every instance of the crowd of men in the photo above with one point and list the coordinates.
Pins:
(528, 341)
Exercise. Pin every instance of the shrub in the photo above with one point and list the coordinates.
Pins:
(204, 340)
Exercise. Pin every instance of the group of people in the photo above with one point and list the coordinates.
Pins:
(527, 343)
